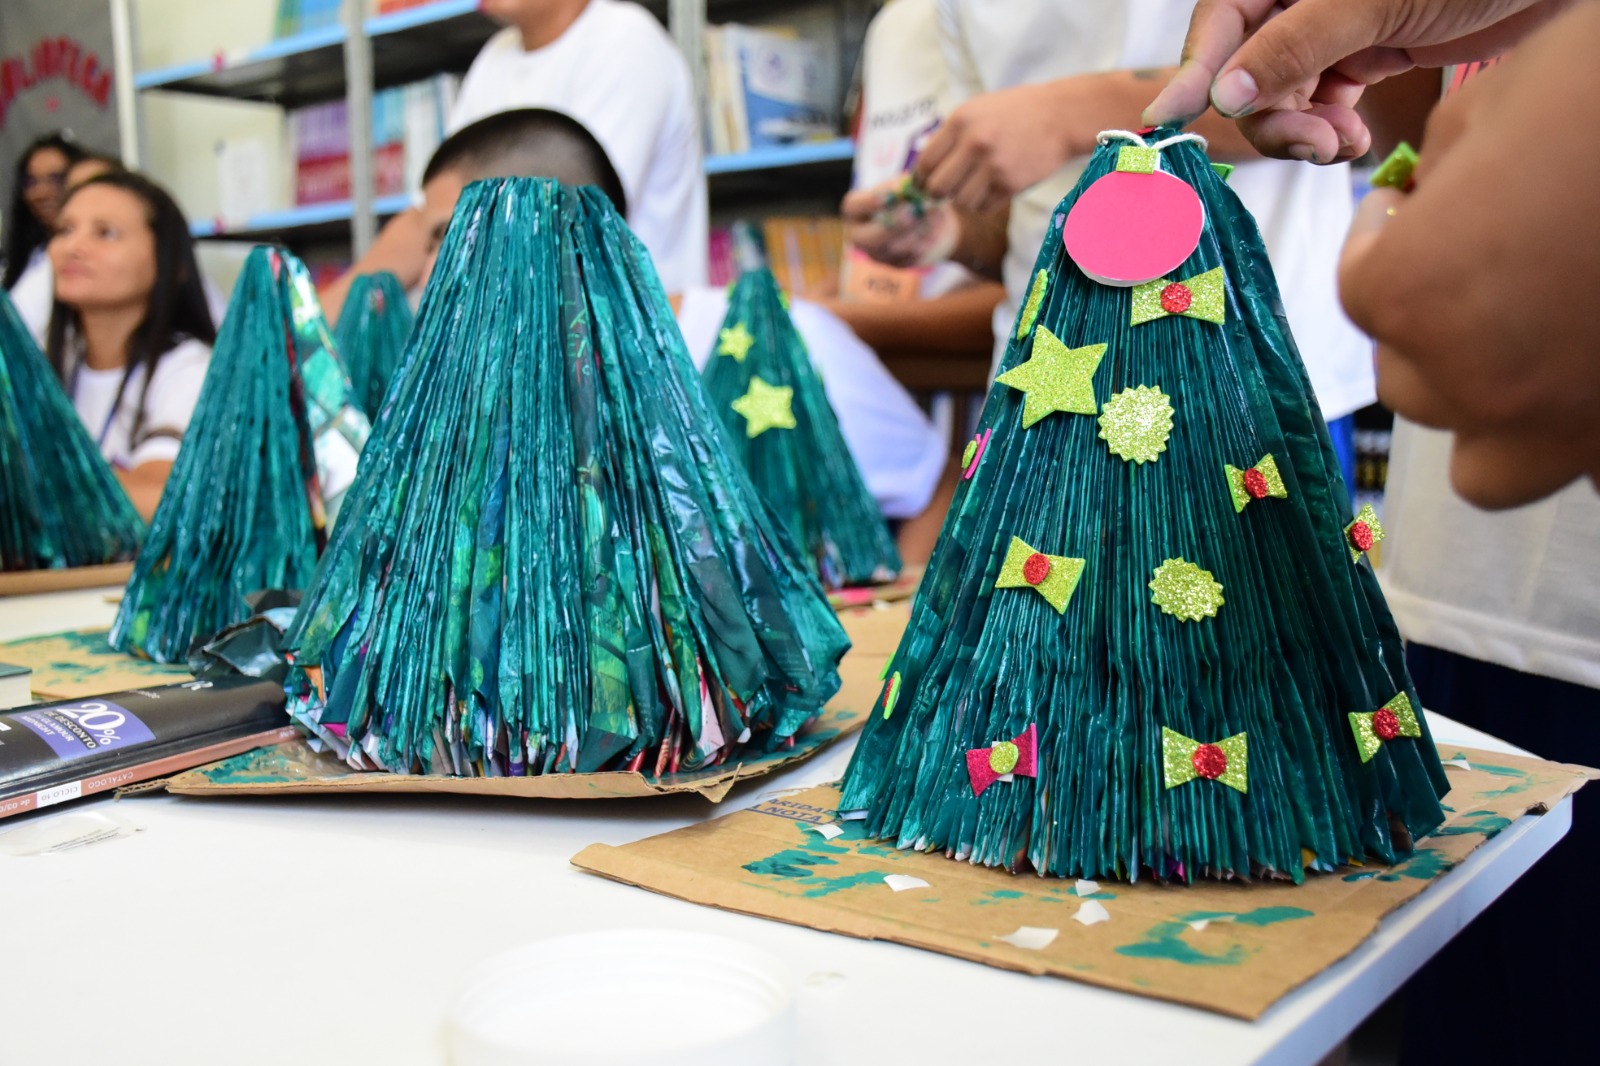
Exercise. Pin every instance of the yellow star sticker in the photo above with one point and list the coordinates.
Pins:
(765, 407)
(1055, 377)
(735, 342)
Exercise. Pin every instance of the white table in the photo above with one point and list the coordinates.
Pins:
(318, 931)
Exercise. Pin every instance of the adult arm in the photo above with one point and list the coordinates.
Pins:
(401, 248)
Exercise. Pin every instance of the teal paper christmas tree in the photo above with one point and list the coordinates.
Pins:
(371, 336)
(762, 384)
(1150, 642)
(60, 504)
(272, 443)
(550, 563)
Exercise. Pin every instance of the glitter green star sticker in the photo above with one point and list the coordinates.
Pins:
(1136, 423)
(1055, 377)
(735, 341)
(765, 407)
(1185, 591)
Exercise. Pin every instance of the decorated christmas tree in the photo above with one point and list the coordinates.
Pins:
(371, 335)
(550, 562)
(762, 384)
(270, 448)
(60, 504)
(1150, 642)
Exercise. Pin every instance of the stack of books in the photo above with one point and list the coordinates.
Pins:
(407, 125)
(767, 87)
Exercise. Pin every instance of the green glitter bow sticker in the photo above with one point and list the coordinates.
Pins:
(891, 694)
(1185, 760)
(1363, 533)
(1054, 577)
(1055, 378)
(1395, 172)
(1203, 296)
(1258, 482)
(1394, 719)
(1136, 423)
(1185, 591)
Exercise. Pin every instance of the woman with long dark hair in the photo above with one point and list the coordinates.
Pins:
(37, 189)
(130, 333)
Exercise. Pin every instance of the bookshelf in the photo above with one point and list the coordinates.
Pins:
(365, 53)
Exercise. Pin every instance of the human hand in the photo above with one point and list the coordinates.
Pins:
(998, 144)
(1293, 73)
(900, 231)
(1473, 283)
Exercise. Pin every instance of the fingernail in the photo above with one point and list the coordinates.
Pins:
(1303, 152)
(1233, 93)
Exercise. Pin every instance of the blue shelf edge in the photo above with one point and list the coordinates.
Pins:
(788, 155)
(297, 217)
(309, 41)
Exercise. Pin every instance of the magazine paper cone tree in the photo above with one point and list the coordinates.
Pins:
(1150, 642)
(550, 561)
(770, 398)
(371, 335)
(60, 504)
(270, 449)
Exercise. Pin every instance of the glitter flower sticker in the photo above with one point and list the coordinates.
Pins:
(1185, 591)
(1135, 423)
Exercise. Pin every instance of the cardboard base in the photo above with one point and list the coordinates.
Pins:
(34, 582)
(79, 663)
(1234, 948)
(294, 769)
(900, 589)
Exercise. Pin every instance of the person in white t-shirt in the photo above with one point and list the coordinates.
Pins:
(130, 334)
(1040, 80)
(610, 65)
(38, 187)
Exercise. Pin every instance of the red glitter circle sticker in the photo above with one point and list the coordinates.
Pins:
(1361, 536)
(1210, 761)
(1255, 483)
(1127, 229)
(1385, 724)
(1036, 569)
(1176, 298)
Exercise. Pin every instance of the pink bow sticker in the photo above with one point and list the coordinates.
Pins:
(1003, 760)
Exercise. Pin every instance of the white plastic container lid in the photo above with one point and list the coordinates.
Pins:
(625, 996)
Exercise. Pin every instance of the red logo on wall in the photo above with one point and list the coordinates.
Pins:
(54, 58)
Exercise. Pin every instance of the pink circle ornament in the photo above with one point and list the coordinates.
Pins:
(1129, 228)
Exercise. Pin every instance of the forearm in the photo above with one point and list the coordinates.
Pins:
(981, 242)
(144, 485)
(400, 249)
(958, 321)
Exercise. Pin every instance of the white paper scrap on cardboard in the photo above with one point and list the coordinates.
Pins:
(827, 830)
(1200, 925)
(901, 882)
(1464, 764)
(1031, 937)
(1086, 888)
(1091, 913)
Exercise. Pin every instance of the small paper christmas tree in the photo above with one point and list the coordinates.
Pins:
(1149, 642)
(761, 381)
(270, 446)
(549, 562)
(372, 333)
(60, 504)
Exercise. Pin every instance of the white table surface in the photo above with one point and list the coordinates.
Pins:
(311, 931)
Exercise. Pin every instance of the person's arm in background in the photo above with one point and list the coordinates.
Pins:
(144, 485)
(401, 248)
(957, 322)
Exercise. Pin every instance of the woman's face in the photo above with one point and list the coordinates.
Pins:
(44, 183)
(103, 252)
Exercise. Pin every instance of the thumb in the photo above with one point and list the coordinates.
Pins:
(1294, 48)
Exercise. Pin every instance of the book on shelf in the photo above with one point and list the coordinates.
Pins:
(407, 125)
(55, 752)
(389, 7)
(301, 16)
(805, 253)
(766, 87)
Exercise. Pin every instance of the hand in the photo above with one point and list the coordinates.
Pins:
(883, 225)
(998, 144)
(1474, 285)
(1293, 77)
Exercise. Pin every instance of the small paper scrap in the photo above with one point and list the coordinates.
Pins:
(1091, 913)
(901, 882)
(1031, 937)
(1464, 764)
(1200, 925)
(1086, 888)
(827, 831)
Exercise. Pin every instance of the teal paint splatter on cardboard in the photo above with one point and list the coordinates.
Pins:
(802, 867)
(1486, 822)
(1425, 865)
(1165, 941)
(999, 895)
(1365, 875)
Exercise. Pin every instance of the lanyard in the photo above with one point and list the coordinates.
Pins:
(105, 430)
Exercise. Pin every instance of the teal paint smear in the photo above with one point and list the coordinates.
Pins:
(1261, 916)
(798, 864)
(801, 866)
(1486, 822)
(1425, 865)
(1165, 941)
(1366, 876)
(1522, 784)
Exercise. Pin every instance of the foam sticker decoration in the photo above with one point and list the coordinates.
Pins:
(765, 407)
(1055, 377)
(1129, 227)
(1256, 483)
(1203, 296)
(1372, 730)
(1004, 760)
(1054, 577)
(1185, 759)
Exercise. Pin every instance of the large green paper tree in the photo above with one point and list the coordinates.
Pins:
(550, 562)
(1150, 641)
